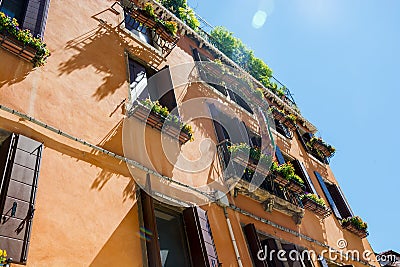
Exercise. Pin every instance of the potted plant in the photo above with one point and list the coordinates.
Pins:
(315, 204)
(279, 174)
(278, 114)
(355, 225)
(159, 117)
(256, 159)
(290, 121)
(320, 145)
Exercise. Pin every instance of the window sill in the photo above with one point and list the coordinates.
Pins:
(140, 41)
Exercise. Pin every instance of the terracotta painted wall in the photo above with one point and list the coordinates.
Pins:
(86, 208)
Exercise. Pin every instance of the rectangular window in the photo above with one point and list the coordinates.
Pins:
(137, 28)
(177, 238)
(30, 14)
(19, 169)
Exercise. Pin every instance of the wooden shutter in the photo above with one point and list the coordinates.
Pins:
(271, 245)
(196, 54)
(149, 220)
(201, 242)
(19, 185)
(299, 167)
(219, 129)
(292, 262)
(300, 137)
(340, 201)
(279, 156)
(161, 88)
(36, 16)
(328, 195)
(254, 245)
(322, 262)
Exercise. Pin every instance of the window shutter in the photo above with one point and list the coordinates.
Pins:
(219, 129)
(19, 185)
(292, 262)
(279, 156)
(298, 165)
(322, 262)
(271, 245)
(328, 195)
(254, 245)
(36, 16)
(149, 220)
(340, 201)
(201, 242)
(162, 89)
(196, 54)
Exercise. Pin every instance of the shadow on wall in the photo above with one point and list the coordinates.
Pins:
(122, 246)
(103, 48)
(12, 69)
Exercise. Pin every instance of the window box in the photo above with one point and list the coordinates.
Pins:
(290, 122)
(278, 115)
(279, 179)
(295, 186)
(356, 226)
(21, 42)
(320, 145)
(171, 125)
(250, 157)
(311, 204)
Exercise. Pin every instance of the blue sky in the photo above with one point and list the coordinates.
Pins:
(340, 59)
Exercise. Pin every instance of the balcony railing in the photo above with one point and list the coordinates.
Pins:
(243, 170)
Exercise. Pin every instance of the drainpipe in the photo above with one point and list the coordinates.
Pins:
(228, 222)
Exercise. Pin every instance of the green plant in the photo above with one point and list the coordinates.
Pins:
(291, 117)
(314, 198)
(157, 108)
(171, 26)
(148, 8)
(253, 152)
(287, 171)
(11, 26)
(319, 140)
(3, 256)
(181, 9)
(357, 222)
(280, 92)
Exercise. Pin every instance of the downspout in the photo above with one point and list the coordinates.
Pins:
(228, 222)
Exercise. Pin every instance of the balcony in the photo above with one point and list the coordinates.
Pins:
(158, 117)
(288, 120)
(274, 191)
(315, 205)
(162, 33)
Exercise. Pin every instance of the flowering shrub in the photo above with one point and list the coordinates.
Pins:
(314, 198)
(10, 26)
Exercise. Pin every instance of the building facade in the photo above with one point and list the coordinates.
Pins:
(90, 174)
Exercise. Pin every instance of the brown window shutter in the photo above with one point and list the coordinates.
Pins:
(328, 195)
(19, 185)
(201, 242)
(36, 16)
(254, 245)
(271, 245)
(149, 220)
(292, 262)
(300, 169)
(340, 201)
(162, 89)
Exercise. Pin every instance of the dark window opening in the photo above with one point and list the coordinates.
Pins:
(172, 240)
(15, 9)
(282, 129)
(239, 100)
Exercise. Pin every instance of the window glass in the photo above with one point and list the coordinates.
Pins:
(137, 28)
(173, 246)
(138, 81)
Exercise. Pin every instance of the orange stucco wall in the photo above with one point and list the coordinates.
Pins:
(86, 207)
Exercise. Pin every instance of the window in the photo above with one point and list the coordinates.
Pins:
(282, 129)
(177, 238)
(159, 88)
(335, 197)
(19, 170)
(30, 14)
(270, 247)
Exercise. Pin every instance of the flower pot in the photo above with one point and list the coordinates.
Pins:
(350, 227)
(289, 124)
(278, 115)
(16, 47)
(280, 180)
(295, 187)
